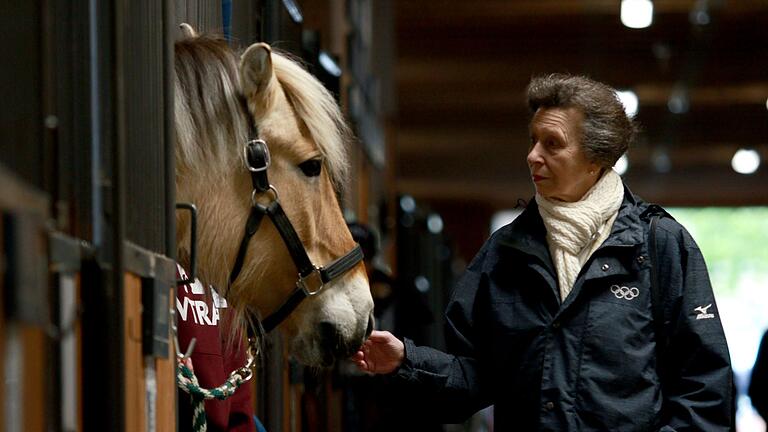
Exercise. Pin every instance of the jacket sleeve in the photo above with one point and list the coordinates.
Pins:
(758, 383)
(697, 381)
(452, 382)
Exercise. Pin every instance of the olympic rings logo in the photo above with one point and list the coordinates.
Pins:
(627, 293)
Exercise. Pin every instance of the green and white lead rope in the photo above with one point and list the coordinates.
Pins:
(187, 381)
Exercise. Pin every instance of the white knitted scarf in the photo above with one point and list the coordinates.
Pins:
(576, 229)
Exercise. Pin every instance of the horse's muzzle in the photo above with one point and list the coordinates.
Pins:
(371, 324)
(335, 346)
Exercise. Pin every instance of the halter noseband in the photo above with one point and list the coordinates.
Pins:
(312, 278)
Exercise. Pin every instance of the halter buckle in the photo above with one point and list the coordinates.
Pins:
(312, 283)
(261, 146)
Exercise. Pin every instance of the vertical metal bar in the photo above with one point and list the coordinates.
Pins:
(170, 131)
(169, 30)
(103, 278)
(119, 48)
(95, 94)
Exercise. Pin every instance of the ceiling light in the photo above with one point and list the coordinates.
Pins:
(636, 13)
(678, 100)
(435, 223)
(329, 64)
(422, 284)
(661, 161)
(700, 13)
(621, 165)
(294, 11)
(407, 203)
(745, 161)
(628, 98)
(700, 17)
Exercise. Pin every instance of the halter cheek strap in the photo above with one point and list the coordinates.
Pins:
(257, 160)
(311, 278)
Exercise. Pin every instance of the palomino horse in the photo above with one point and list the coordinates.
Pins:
(221, 103)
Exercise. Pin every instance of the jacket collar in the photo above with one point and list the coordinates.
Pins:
(628, 228)
(528, 234)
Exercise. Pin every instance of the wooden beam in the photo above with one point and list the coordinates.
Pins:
(417, 13)
(682, 188)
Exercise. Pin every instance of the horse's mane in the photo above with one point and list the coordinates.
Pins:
(315, 105)
(211, 119)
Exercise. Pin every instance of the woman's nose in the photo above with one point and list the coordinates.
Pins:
(533, 155)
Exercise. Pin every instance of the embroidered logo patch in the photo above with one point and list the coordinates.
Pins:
(626, 293)
(702, 310)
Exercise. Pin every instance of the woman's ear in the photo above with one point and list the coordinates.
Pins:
(596, 170)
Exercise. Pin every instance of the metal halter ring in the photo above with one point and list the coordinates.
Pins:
(255, 192)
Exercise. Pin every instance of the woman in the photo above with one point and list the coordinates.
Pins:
(552, 321)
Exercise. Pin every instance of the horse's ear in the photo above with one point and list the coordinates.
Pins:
(187, 30)
(256, 71)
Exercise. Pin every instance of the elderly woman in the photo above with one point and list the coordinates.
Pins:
(553, 320)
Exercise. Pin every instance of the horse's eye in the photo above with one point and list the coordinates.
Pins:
(311, 167)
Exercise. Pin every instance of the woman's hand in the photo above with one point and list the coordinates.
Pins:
(382, 353)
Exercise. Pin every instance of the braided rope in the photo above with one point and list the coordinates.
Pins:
(187, 381)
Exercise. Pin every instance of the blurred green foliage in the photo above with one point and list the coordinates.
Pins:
(733, 240)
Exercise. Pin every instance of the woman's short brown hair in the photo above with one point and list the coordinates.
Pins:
(607, 131)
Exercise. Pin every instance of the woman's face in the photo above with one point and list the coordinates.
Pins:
(559, 168)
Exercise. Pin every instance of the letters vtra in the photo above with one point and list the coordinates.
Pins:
(200, 311)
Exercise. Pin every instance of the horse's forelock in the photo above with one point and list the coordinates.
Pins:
(210, 119)
(318, 109)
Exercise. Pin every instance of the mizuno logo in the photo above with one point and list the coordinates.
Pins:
(702, 310)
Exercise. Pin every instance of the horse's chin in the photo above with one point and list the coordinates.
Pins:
(316, 351)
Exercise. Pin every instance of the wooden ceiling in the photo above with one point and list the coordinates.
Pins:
(460, 132)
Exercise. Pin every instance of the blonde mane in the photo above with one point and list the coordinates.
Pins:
(318, 109)
(212, 124)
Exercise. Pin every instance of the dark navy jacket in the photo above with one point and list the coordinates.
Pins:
(590, 363)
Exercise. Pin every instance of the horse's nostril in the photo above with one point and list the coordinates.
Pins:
(331, 337)
(369, 329)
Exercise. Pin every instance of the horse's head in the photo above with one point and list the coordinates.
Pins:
(305, 132)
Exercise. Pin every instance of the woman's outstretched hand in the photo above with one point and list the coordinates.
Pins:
(382, 353)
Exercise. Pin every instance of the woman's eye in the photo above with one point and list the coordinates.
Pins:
(311, 167)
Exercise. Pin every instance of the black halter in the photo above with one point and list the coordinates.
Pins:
(312, 278)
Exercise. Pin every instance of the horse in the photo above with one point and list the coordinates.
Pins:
(226, 108)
